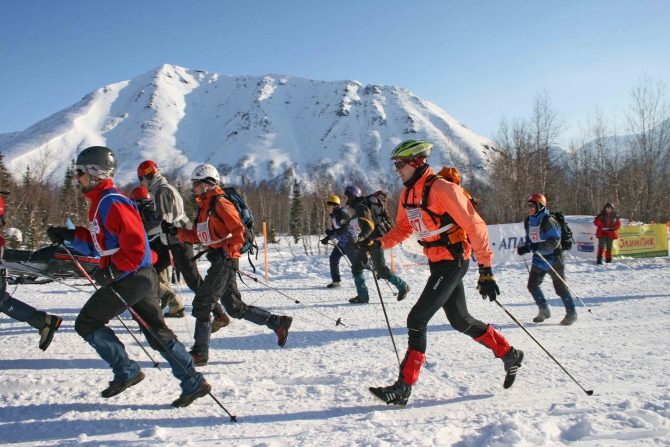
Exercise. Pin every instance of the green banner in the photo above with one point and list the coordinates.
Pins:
(643, 241)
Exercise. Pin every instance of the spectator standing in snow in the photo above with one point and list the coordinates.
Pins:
(116, 233)
(219, 228)
(45, 323)
(363, 226)
(341, 233)
(608, 224)
(449, 229)
(543, 236)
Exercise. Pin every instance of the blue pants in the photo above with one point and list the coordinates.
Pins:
(335, 257)
(383, 272)
(21, 311)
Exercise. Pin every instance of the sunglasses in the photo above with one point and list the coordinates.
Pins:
(399, 164)
(531, 205)
(79, 171)
(196, 183)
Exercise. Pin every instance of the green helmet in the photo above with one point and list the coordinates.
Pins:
(412, 149)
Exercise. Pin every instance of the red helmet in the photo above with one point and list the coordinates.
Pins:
(538, 198)
(140, 193)
(2, 206)
(146, 168)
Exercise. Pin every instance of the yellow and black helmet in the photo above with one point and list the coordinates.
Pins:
(333, 199)
(411, 149)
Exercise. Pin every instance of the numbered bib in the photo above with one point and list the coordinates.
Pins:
(354, 227)
(534, 234)
(202, 230)
(416, 221)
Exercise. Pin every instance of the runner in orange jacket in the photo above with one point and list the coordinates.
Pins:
(449, 228)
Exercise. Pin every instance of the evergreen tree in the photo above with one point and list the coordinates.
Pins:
(272, 234)
(314, 219)
(297, 211)
(5, 177)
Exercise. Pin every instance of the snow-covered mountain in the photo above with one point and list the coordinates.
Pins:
(251, 127)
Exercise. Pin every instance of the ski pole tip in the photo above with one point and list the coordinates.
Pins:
(339, 322)
(233, 418)
(297, 302)
(589, 392)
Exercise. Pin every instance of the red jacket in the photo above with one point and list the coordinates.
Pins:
(607, 224)
(225, 231)
(444, 197)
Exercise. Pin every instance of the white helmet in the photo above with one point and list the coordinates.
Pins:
(205, 172)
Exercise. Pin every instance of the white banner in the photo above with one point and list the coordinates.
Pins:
(504, 239)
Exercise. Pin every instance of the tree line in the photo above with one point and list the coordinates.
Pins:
(626, 163)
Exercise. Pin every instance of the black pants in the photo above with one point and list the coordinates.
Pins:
(140, 290)
(378, 260)
(444, 289)
(605, 242)
(337, 254)
(537, 275)
(182, 254)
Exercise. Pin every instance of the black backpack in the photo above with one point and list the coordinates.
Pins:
(566, 232)
(378, 203)
(246, 217)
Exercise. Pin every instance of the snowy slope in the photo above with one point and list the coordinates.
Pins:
(251, 127)
(314, 391)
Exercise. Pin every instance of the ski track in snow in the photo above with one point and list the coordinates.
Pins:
(314, 391)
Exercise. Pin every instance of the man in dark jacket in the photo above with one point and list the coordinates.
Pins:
(364, 226)
(543, 236)
(608, 224)
(116, 233)
(345, 240)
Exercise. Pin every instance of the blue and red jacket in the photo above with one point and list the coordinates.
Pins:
(117, 227)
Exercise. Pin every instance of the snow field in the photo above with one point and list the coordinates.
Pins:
(314, 391)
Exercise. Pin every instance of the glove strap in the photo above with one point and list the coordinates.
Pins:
(486, 278)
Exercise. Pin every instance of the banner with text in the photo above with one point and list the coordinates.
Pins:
(644, 241)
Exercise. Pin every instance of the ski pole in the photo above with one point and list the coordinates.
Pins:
(81, 269)
(253, 278)
(388, 324)
(566, 284)
(588, 392)
(525, 262)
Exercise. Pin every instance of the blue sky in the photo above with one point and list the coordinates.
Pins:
(478, 60)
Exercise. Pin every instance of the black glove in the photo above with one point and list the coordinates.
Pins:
(487, 284)
(58, 235)
(325, 240)
(104, 276)
(522, 250)
(534, 247)
(168, 228)
(367, 244)
(329, 232)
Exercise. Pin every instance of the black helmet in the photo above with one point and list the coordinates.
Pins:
(98, 161)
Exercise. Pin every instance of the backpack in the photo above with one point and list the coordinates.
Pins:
(378, 203)
(246, 217)
(566, 233)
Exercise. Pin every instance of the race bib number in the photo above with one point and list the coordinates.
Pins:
(202, 230)
(534, 234)
(354, 227)
(416, 221)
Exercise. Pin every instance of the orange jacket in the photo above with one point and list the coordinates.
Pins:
(444, 197)
(229, 232)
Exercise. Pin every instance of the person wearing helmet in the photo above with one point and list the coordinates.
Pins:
(169, 206)
(146, 207)
(219, 228)
(116, 233)
(45, 323)
(543, 236)
(364, 228)
(345, 240)
(449, 229)
(608, 224)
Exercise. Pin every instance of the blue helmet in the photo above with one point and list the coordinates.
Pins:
(353, 190)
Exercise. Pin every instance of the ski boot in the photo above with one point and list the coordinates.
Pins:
(358, 300)
(396, 394)
(199, 359)
(402, 294)
(282, 330)
(51, 325)
(177, 314)
(512, 361)
(334, 285)
(185, 401)
(220, 321)
(117, 388)
(570, 317)
(543, 313)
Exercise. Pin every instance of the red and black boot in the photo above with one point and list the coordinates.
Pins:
(398, 393)
(599, 259)
(511, 357)
(608, 257)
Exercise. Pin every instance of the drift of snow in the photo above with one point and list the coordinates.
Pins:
(314, 391)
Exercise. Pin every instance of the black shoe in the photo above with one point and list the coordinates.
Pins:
(282, 330)
(199, 359)
(117, 388)
(185, 401)
(512, 361)
(402, 294)
(220, 321)
(599, 261)
(334, 284)
(178, 314)
(570, 318)
(543, 314)
(47, 333)
(358, 300)
(396, 394)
